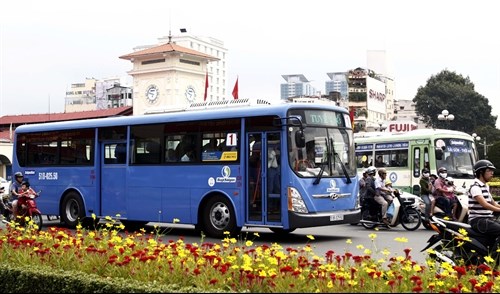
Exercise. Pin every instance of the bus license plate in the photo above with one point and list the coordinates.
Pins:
(336, 217)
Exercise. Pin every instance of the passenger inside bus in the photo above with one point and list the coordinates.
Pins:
(380, 162)
(211, 146)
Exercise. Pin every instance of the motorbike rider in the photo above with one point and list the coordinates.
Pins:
(370, 183)
(384, 194)
(15, 190)
(426, 189)
(441, 192)
(481, 203)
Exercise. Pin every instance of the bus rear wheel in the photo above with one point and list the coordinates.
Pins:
(73, 210)
(218, 217)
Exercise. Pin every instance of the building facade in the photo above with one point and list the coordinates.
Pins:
(296, 86)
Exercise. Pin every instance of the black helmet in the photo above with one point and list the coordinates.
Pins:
(483, 164)
(18, 175)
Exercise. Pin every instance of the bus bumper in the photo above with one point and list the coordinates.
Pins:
(298, 220)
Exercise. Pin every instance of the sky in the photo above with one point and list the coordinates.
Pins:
(45, 46)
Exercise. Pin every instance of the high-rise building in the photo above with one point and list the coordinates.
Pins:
(338, 83)
(296, 86)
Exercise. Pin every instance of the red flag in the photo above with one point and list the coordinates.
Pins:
(235, 90)
(206, 87)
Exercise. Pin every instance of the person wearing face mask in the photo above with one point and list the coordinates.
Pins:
(426, 188)
(442, 189)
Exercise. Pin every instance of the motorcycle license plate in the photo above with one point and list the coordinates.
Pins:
(336, 217)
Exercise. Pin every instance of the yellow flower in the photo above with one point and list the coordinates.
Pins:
(488, 259)
(372, 236)
(311, 237)
(256, 234)
(248, 243)
(401, 239)
(176, 220)
(360, 247)
(348, 241)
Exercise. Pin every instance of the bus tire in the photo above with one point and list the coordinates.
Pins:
(73, 210)
(218, 216)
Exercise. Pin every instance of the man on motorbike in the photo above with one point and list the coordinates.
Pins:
(15, 190)
(370, 183)
(442, 189)
(384, 194)
(481, 203)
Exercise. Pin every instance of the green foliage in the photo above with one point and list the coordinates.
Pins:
(357, 97)
(36, 278)
(451, 91)
(494, 156)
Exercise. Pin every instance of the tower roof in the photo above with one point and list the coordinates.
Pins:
(166, 48)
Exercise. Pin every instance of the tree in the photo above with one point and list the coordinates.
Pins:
(494, 156)
(451, 91)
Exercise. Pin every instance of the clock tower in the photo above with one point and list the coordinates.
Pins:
(167, 76)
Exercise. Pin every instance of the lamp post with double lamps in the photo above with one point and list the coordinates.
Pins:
(446, 116)
(381, 126)
(485, 146)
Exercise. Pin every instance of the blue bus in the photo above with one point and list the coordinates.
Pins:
(218, 166)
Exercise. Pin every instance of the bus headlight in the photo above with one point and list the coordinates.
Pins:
(295, 202)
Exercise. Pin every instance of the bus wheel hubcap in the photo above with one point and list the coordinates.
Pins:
(220, 215)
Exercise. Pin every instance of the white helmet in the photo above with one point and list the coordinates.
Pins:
(371, 170)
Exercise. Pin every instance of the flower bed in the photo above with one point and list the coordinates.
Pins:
(233, 265)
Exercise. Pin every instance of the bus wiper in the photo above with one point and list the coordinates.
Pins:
(344, 170)
(323, 165)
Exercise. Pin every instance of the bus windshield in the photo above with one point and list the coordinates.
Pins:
(327, 152)
(456, 156)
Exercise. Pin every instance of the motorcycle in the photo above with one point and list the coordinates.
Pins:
(461, 211)
(456, 243)
(405, 213)
(27, 210)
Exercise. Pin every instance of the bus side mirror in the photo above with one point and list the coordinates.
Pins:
(300, 139)
(439, 154)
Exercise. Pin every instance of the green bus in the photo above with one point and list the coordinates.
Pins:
(404, 155)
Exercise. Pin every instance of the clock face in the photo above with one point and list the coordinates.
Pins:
(152, 93)
(190, 94)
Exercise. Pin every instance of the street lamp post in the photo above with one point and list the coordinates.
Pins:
(381, 126)
(484, 144)
(446, 116)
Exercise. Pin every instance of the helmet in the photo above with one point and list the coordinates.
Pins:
(483, 164)
(382, 171)
(18, 175)
(449, 180)
(442, 170)
(371, 170)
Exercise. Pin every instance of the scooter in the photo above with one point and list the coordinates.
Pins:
(456, 243)
(27, 210)
(461, 212)
(405, 213)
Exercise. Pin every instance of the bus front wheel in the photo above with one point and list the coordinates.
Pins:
(219, 217)
(73, 210)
